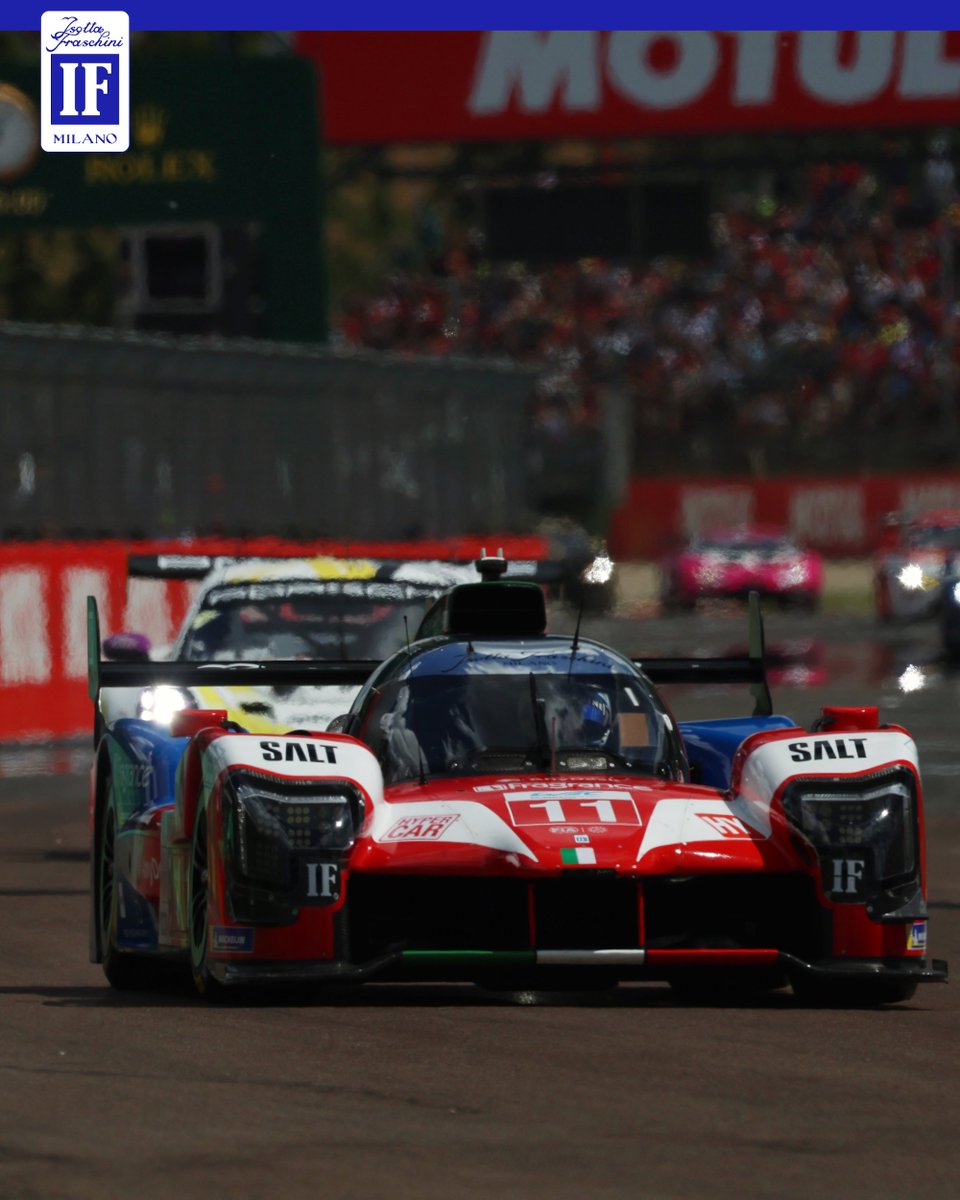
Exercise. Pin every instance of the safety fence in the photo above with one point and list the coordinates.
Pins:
(107, 434)
(840, 516)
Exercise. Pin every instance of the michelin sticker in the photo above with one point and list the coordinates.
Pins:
(234, 939)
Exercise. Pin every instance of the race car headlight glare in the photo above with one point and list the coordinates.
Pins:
(161, 702)
(796, 573)
(913, 578)
(708, 572)
(599, 571)
(877, 814)
(270, 825)
(956, 593)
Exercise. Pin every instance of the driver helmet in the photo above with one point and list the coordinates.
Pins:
(596, 719)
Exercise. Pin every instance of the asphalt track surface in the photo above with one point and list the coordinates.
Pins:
(447, 1092)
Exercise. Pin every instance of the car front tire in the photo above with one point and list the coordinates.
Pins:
(124, 971)
(199, 903)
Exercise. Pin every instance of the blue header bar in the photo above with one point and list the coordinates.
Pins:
(492, 14)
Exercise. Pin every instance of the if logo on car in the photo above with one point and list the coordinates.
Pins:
(323, 881)
(847, 876)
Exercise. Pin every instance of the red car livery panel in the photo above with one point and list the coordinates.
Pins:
(516, 809)
(730, 564)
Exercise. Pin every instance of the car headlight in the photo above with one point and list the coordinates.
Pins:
(270, 826)
(161, 702)
(708, 572)
(864, 830)
(598, 571)
(956, 593)
(913, 578)
(794, 574)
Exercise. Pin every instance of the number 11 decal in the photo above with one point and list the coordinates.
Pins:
(568, 810)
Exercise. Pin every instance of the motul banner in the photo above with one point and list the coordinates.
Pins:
(529, 84)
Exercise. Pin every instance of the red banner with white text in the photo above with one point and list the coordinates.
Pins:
(43, 586)
(43, 591)
(539, 84)
(839, 516)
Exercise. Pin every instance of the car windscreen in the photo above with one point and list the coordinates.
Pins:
(518, 721)
(766, 547)
(316, 627)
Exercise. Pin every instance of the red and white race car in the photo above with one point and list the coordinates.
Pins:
(729, 564)
(915, 556)
(512, 808)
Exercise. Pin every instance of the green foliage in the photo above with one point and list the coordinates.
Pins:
(60, 276)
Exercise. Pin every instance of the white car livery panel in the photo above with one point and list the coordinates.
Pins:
(682, 822)
(832, 755)
(296, 758)
(463, 821)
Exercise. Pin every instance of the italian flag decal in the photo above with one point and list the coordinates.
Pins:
(578, 855)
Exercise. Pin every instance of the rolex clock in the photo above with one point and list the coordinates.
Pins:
(19, 132)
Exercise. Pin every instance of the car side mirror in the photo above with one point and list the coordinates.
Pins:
(339, 724)
(127, 647)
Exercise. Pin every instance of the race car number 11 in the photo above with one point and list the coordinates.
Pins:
(570, 811)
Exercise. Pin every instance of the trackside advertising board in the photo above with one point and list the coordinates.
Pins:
(841, 516)
(527, 84)
(43, 591)
(44, 585)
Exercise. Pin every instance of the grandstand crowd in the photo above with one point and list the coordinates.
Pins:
(821, 319)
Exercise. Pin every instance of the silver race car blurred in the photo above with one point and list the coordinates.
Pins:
(357, 610)
(915, 557)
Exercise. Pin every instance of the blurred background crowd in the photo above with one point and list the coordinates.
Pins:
(818, 314)
(694, 287)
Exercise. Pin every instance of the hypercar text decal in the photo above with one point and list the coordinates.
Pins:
(682, 822)
(473, 825)
(727, 826)
(420, 828)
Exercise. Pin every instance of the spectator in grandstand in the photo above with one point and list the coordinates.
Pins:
(815, 319)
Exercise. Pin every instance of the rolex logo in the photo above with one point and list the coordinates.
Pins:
(149, 125)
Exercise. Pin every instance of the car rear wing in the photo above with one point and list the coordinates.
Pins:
(750, 668)
(448, 571)
(297, 672)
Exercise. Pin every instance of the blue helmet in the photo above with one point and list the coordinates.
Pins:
(596, 719)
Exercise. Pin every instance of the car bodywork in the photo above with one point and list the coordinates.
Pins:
(949, 617)
(913, 561)
(514, 808)
(730, 564)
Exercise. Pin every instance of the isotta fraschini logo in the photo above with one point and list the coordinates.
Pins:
(85, 82)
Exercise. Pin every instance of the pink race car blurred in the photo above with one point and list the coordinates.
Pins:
(730, 563)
